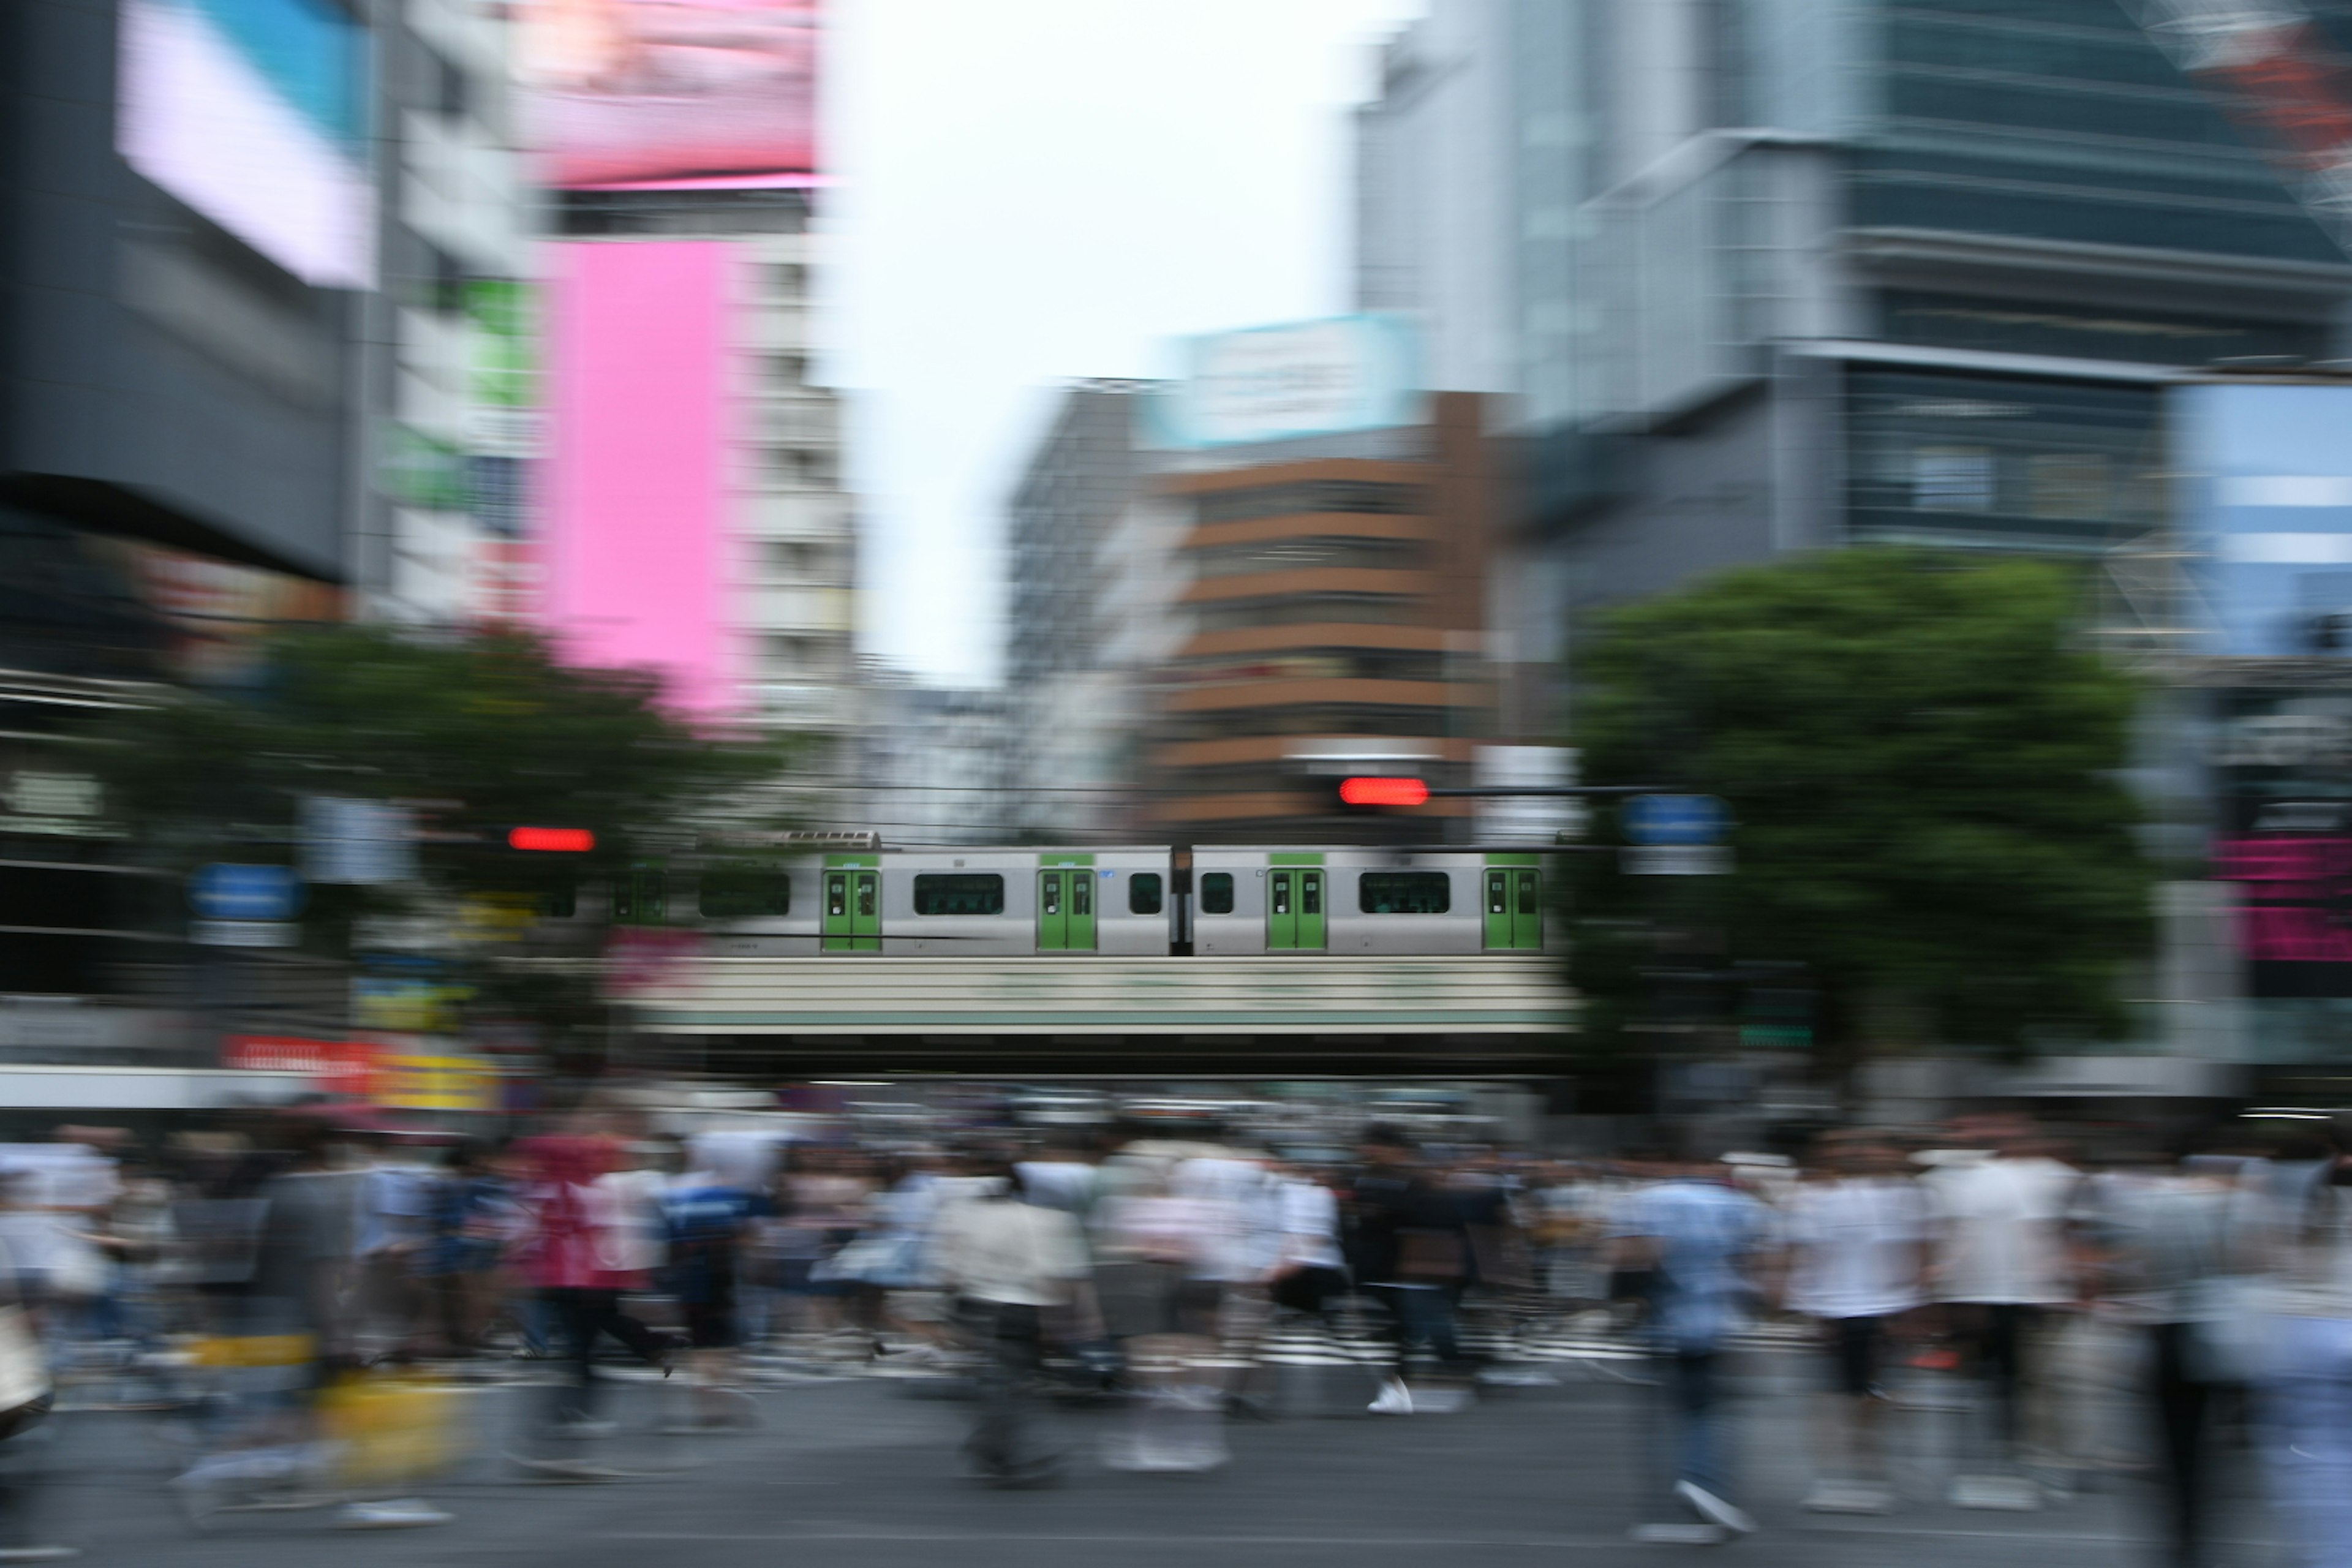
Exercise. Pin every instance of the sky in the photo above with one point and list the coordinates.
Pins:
(1032, 191)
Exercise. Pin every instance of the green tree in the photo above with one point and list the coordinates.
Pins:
(1922, 778)
(483, 730)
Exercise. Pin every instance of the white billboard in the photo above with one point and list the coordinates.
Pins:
(255, 113)
(1300, 379)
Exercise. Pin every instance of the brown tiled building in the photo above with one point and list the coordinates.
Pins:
(1334, 622)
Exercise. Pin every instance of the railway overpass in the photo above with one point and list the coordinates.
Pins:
(756, 1018)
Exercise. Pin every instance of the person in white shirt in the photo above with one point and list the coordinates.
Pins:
(1007, 1260)
(2002, 1259)
(1857, 1243)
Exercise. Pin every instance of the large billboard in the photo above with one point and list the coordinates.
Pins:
(2266, 512)
(1300, 379)
(631, 532)
(671, 94)
(255, 113)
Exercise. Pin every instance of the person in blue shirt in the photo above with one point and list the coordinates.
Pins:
(1697, 1242)
(708, 1218)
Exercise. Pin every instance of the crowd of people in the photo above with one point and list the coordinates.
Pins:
(2208, 1288)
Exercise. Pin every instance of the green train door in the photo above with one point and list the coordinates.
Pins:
(1514, 905)
(1065, 909)
(1293, 908)
(853, 909)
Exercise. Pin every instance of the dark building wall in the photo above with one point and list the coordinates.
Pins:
(157, 377)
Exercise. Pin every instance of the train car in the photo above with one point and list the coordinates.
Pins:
(1135, 900)
(1374, 901)
(948, 901)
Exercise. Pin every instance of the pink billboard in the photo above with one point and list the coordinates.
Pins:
(661, 94)
(635, 547)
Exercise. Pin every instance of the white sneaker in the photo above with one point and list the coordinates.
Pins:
(1716, 1511)
(397, 1513)
(1395, 1399)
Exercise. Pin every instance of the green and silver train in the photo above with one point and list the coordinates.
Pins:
(796, 896)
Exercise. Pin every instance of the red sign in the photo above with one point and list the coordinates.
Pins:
(1383, 792)
(341, 1066)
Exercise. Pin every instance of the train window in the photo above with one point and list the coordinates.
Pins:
(959, 893)
(1217, 893)
(1526, 893)
(1143, 893)
(745, 892)
(1404, 893)
(1495, 900)
(1310, 893)
(1082, 893)
(1052, 895)
(836, 894)
(869, 885)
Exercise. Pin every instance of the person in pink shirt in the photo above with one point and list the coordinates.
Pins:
(567, 1259)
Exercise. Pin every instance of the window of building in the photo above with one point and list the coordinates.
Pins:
(745, 892)
(959, 893)
(1317, 496)
(1308, 609)
(1143, 893)
(1294, 554)
(1217, 892)
(2070, 485)
(1404, 893)
(1953, 479)
(450, 94)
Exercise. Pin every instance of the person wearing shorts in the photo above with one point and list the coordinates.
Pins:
(1857, 1239)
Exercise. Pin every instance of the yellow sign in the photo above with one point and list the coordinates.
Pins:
(405, 1082)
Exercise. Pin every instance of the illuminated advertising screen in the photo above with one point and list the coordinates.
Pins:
(255, 113)
(671, 94)
(632, 538)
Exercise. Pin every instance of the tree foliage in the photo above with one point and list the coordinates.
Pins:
(1922, 776)
(482, 730)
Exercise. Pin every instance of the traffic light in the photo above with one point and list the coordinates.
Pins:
(1383, 792)
(558, 840)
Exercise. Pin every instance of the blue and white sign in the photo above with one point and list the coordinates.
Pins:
(223, 892)
(2266, 502)
(1684, 819)
(1302, 378)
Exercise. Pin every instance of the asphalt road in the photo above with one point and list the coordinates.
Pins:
(865, 1471)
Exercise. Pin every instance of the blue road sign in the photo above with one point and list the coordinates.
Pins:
(1674, 819)
(222, 892)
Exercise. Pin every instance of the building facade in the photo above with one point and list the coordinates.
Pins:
(695, 518)
(1094, 572)
(1781, 276)
(1331, 622)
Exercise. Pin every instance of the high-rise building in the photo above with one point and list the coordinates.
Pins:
(1332, 623)
(446, 350)
(692, 515)
(1777, 274)
(1092, 568)
(695, 519)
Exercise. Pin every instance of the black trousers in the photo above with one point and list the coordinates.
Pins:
(582, 1315)
(1998, 1330)
(2183, 1406)
(1005, 1442)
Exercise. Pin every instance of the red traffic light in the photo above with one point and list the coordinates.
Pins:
(569, 840)
(1383, 792)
